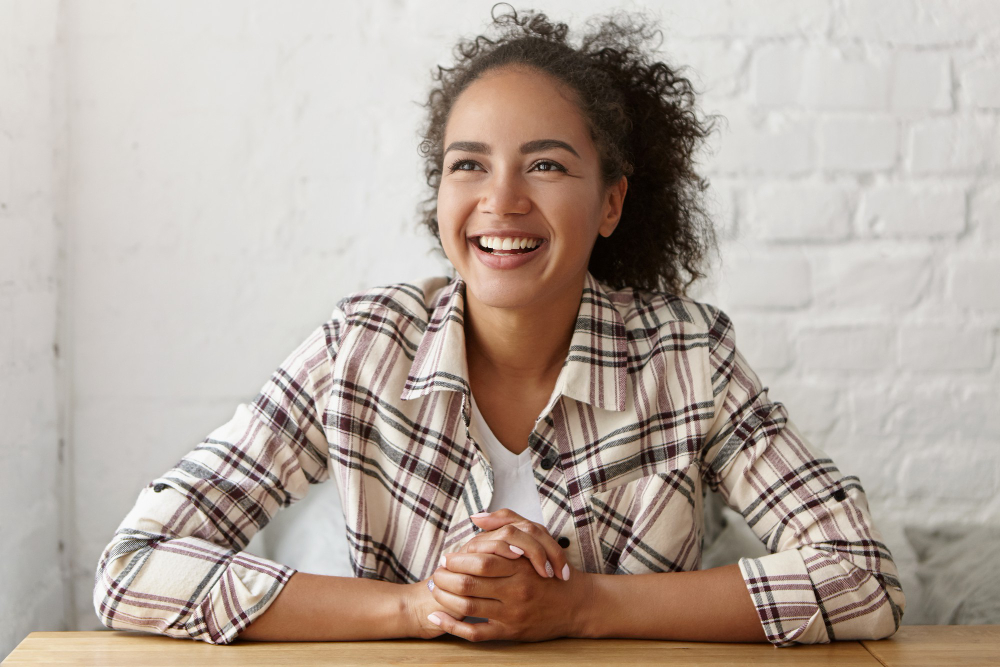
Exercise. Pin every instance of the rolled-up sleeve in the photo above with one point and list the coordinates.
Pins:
(175, 565)
(829, 574)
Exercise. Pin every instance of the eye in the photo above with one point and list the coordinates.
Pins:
(548, 165)
(463, 165)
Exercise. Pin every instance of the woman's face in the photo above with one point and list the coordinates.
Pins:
(519, 163)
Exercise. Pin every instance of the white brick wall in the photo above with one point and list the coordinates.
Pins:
(235, 167)
(32, 492)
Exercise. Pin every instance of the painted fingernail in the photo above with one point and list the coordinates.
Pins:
(519, 551)
(443, 562)
(434, 619)
(548, 569)
(430, 585)
(566, 572)
(480, 515)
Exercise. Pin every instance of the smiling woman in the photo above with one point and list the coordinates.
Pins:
(529, 442)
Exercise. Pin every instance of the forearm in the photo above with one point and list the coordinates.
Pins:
(313, 607)
(704, 605)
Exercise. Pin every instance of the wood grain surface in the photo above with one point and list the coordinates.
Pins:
(911, 645)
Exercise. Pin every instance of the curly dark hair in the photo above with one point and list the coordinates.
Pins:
(644, 123)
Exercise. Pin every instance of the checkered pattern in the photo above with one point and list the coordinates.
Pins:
(654, 406)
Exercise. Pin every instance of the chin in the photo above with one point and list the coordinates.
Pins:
(502, 293)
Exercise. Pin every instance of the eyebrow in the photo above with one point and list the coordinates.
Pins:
(535, 146)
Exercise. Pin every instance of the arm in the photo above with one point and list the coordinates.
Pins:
(313, 607)
(704, 605)
(175, 565)
(829, 575)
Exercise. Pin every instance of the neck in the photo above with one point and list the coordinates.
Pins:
(528, 344)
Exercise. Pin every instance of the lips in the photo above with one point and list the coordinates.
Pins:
(501, 259)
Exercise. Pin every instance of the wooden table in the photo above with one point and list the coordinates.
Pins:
(911, 645)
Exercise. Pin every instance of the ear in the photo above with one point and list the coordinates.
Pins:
(612, 213)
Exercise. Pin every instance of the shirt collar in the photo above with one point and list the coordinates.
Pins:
(595, 370)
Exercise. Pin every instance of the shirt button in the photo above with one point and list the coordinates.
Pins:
(159, 487)
(563, 541)
(840, 494)
(548, 462)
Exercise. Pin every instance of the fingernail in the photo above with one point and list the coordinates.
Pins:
(434, 619)
(443, 562)
(480, 515)
(548, 569)
(519, 551)
(566, 572)
(430, 585)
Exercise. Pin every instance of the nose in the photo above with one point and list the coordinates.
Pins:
(504, 194)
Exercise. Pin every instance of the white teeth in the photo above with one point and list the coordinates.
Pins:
(507, 243)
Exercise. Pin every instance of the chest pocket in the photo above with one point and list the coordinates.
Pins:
(651, 524)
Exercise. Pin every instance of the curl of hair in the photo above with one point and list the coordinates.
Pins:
(643, 120)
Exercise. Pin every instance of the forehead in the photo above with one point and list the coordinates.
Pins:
(516, 103)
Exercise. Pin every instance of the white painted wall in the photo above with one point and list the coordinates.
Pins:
(32, 490)
(236, 167)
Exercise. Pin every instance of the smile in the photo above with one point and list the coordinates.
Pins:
(499, 245)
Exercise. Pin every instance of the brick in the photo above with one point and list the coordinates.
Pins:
(984, 211)
(852, 278)
(870, 408)
(858, 144)
(776, 145)
(814, 408)
(975, 283)
(981, 85)
(763, 342)
(940, 407)
(931, 475)
(776, 75)
(717, 67)
(952, 145)
(904, 22)
(945, 348)
(837, 81)
(725, 18)
(914, 210)
(800, 212)
(767, 280)
(980, 410)
(846, 348)
(921, 81)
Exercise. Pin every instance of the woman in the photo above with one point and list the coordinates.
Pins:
(508, 441)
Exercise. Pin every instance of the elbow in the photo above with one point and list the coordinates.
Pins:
(891, 609)
(880, 614)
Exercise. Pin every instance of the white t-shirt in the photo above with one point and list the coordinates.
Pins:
(513, 478)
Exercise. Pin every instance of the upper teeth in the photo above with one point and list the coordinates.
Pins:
(507, 243)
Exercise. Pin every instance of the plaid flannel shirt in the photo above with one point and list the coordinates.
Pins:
(653, 406)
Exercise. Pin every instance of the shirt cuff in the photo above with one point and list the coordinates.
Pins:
(245, 590)
(785, 599)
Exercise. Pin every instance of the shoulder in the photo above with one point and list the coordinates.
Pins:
(411, 302)
(647, 313)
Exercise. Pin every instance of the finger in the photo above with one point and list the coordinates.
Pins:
(505, 518)
(496, 519)
(461, 605)
(474, 632)
(478, 565)
(545, 554)
(497, 547)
